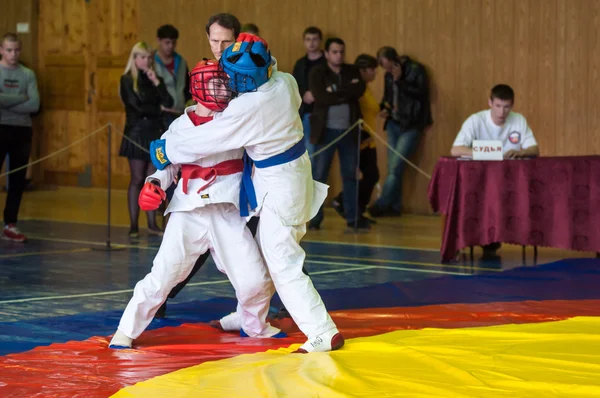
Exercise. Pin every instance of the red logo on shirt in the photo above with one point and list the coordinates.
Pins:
(9, 83)
(514, 137)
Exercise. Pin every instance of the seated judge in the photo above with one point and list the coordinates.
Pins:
(498, 123)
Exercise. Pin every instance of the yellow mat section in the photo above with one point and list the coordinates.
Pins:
(553, 359)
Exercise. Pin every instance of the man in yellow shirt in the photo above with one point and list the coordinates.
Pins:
(369, 108)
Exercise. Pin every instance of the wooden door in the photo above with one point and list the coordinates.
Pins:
(83, 49)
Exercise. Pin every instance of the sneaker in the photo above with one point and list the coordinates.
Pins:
(376, 211)
(314, 226)
(329, 341)
(370, 220)
(119, 341)
(379, 211)
(361, 225)
(11, 232)
(270, 333)
(491, 249)
(229, 323)
(155, 231)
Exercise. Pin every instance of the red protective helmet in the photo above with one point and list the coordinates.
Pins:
(215, 96)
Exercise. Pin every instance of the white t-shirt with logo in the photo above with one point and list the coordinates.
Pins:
(514, 134)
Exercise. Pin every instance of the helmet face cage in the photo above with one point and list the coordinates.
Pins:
(206, 94)
(241, 83)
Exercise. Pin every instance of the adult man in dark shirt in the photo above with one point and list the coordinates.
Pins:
(337, 87)
(313, 57)
(407, 110)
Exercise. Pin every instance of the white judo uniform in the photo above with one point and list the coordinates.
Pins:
(201, 221)
(267, 123)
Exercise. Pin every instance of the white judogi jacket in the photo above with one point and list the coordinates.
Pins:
(265, 123)
(225, 189)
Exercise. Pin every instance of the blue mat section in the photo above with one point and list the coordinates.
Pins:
(565, 280)
(24, 336)
(575, 279)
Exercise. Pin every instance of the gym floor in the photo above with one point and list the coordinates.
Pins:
(413, 326)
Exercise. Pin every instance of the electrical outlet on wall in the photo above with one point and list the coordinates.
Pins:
(23, 27)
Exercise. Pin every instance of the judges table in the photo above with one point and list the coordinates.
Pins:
(546, 201)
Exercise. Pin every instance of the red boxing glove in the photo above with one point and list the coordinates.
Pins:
(151, 196)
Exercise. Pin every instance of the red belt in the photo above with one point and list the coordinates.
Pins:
(191, 171)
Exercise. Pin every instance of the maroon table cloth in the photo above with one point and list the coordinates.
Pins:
(552, 202)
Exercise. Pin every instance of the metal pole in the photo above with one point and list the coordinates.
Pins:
(7, 186)
(109, 184)
(358, 213)
(108, 246)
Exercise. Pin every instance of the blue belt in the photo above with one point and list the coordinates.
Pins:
(247, 192)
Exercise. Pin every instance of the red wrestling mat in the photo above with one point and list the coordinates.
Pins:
(90, 369)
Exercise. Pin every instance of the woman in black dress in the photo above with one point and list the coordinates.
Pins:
(143, 94)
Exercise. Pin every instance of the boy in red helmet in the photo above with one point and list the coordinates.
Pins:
(205, 215)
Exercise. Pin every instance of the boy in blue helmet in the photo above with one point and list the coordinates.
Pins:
(204, 217)
(264, 120)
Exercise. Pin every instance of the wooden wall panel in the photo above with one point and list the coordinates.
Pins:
(591, 134)
(83, 48)
(75, 27)
(64, 82)
(108, 76)
(544, 120)
(52, 27)
(64, 45)
(577, 84)
(546, 50)
(116, 26)
(79, 155)
(558, 133)
(120, 168)
(55, 122)
(110, 60)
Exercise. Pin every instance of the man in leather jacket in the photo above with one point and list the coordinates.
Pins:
(406, 107)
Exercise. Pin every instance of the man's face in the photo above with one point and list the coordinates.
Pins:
(312, 42)
(500, 109)
(166, 47)
(386, 64)
(219, 38)
(335, 54)
(11, 52)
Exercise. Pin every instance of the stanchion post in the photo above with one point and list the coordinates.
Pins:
(357, 196)
(7, 186)
(108, 246)
(109, 185)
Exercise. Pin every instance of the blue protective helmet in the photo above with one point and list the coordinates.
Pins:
(247, 62)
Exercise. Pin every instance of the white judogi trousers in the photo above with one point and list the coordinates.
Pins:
(220, 229)
(280, 246)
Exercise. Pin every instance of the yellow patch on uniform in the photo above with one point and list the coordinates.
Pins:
(236, 47)
(160, 155)
(269, 71)
(205, 196)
